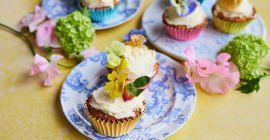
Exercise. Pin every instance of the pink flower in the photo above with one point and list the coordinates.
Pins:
(33, 19)
(219, 77)
(85, 54)
(89, 52)
(45, 36)
(47, 70)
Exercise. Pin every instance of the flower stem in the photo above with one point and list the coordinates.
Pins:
(19, 33)
(31, 45)
(265, 68)
(61, 65)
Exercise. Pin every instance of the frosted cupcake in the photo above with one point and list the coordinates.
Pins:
(184, 19)
(109, 113)
(232, 16)
(134, 58)
(101, 10)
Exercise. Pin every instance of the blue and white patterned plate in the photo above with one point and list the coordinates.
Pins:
(207, 45)
(170, 98)
(126, 11)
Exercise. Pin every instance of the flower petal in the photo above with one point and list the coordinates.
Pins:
(205, 67)
(45, 36)
(190, 53)
(109, 65)
(119, 48)
(173, 3)
(123, 64)
(39, 16)
(222, 80)
(110, 86)
(113, 60)
(222, 59)
(122, 77)
(52, 70)
(89, 52)
(40, 65)
(44, 79)
(112, 76)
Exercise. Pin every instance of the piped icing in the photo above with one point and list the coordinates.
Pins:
(191, 20)
(116, 107)
(99, 3)
(140, 60)
(243, 9)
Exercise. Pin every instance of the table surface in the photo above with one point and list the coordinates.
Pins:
(30, 111)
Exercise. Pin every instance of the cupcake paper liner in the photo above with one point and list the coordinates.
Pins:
(184, 34)
(230, 27)
(103, 14)
(113, 129)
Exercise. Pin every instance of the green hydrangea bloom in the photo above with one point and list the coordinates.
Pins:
(75, 32)
(247, 52)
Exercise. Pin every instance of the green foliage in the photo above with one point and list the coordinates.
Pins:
(247, 52)
(251, 85)
(85, 11)
(139, 82)
(75, 32)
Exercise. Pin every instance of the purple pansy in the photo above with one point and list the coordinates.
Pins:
(184, 7)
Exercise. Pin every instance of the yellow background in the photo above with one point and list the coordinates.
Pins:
(29, 111)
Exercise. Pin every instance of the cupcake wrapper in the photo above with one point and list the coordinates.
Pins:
(103, 14)
(230, 27)
(113, 129)
(184, 34)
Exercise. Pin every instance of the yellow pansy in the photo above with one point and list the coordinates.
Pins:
(116, 85)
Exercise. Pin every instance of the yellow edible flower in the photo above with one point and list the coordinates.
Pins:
(116, 85)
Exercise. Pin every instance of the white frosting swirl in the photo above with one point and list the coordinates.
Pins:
(141, 62)
(99, 3)
(191, 20)
(244, 9)
(116, 107)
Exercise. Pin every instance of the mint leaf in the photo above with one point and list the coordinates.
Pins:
(141, 81)
(251, 85)
(133, 91)
(85, 11)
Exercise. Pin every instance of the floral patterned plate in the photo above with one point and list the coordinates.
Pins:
(206, 45)
(126, 11)
(170, 98)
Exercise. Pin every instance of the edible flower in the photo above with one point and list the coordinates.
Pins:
(116, 86)
(115, 54)
(33, 19)
(184, 7)
(47, 71)
(84, 54)
(45, 36)
(219, 77)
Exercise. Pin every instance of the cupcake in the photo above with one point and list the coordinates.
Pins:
(134, 58)
(184, 20)
(101, 10)
(110, 114)
(232, 16)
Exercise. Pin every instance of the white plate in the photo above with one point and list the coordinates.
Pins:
(170, 98)
(126, 11)
(207, 45)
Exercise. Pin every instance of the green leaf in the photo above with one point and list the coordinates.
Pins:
(141, 81)
(49, 49)
(251, 85)
(85, 11)
(133, 91)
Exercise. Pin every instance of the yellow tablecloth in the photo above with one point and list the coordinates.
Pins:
(29, 111)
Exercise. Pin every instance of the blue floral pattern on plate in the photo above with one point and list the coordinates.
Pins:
(207, 45)
(170, 99)
(126, 11)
